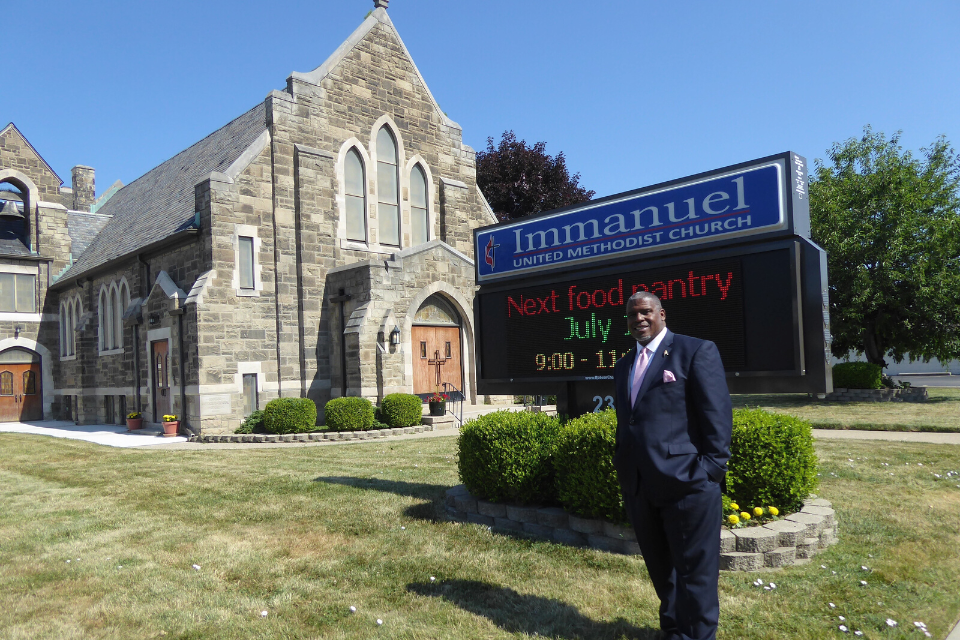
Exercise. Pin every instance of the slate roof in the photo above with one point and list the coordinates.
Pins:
(12, 248)
(161, 202)
(83, 228)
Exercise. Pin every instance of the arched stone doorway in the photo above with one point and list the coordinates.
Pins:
(436, 335)
(21, 396)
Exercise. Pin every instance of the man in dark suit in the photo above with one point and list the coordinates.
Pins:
(674, 422)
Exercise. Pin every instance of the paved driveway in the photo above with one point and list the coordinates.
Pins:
(930, 381)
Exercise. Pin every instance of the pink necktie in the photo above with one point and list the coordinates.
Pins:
(638, 370)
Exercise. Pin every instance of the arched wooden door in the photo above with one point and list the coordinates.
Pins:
(436, 335)
(20, 392)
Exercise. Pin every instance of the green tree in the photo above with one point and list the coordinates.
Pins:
(518, 180)
(890, 223)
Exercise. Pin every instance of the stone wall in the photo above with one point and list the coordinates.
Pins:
(910, 394)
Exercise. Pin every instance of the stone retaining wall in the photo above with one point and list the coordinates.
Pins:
(795, 538)
(315, 437)
(910, 394)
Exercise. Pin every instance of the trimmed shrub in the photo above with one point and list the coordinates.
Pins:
(773, 461)
(506, 456)
(586, 481)
(290, 415)
(253, 423)
(401, 410)
(349, 414)
(857, 375)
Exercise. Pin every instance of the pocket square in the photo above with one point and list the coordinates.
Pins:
(669, 377)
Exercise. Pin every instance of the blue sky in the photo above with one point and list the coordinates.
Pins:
(632, 93)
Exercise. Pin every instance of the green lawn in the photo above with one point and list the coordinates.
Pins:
(940, 413)
(306, 532)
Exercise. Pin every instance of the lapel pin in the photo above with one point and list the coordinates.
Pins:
(665, 353)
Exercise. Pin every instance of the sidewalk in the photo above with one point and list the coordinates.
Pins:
(890, 436)
(110, 435)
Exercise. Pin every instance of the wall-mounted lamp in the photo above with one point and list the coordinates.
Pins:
(395, 335)
(16, 331)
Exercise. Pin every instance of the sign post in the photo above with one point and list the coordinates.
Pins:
(727, 252)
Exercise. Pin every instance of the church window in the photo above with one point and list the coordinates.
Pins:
(18, 292)
(246, 263)
(251, 401)
(388, 202)
(420, 230)
(105, 317)
(355, 197)
(423, 349)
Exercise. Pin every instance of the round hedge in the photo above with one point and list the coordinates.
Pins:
(401, 409)
(772, 460)
(586, 481)
(348, 414)
(290, 415)
(505, 456)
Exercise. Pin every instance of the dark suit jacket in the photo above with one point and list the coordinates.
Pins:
(677, 436)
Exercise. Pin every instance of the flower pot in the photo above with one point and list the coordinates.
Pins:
(134, 423)
(438, 408)
(170, 429)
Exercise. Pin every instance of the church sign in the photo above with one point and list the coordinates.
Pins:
(728, 253)
(717, 207)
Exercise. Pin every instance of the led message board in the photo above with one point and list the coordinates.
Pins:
(728, 252)
(575, 329)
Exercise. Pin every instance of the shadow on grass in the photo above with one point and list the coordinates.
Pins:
(533, 615)
(430, 510)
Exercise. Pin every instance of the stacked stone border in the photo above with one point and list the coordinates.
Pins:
(322, 436)
(793, 540)
(910, 394)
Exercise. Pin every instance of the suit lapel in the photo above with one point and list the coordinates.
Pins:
(623, 381)
(655, 369)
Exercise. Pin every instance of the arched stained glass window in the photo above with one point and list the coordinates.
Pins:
(355, 196)
(29, 383)
(419, 222)
(388, 192)
(6, 383)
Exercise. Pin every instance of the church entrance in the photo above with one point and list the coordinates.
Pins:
(435, 337)
(161, 379)
(20, 394)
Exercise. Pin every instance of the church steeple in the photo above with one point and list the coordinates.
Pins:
(377, 4)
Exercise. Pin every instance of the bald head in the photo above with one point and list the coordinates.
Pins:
(645, 316)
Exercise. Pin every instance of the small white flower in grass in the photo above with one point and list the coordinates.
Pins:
(869, 555)
(766, 588)
(843, 628)
(927, 633)
(773, 586)
(432, 578)
(919, 464)
(263, 614)
(353, 609)
(68, 562)
(841, 619)
(891, 622)
(196, 567)
(403, 528)
(832, 606)
(863, 583)
(834, 572)
(864, 568)
(379, 621)
(858, 633)
(823, 566)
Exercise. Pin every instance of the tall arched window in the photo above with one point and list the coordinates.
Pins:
(74, 323)
(105, 316)
(419, 222)
(63, 330)
(355, 197)
(388, 202)
(116, 329)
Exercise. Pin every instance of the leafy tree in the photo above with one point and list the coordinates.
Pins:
(890, 224)
(518, 180)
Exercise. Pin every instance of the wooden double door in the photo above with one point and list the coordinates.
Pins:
(20, 396)
(160, 361)
(428, 344)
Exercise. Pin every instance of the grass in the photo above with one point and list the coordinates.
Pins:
(940, 413)
(305, 532)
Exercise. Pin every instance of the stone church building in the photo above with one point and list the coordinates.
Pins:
(318, 245)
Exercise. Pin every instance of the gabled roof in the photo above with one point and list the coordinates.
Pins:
(24, 138)
(160, 203)
(378, 15)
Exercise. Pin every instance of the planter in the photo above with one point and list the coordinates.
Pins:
(134, 423)
(438, 408)
(170, 429)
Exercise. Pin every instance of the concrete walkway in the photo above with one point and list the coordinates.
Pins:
(890, 436)
(110, 435)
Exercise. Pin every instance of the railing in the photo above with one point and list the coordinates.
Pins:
(454, 396)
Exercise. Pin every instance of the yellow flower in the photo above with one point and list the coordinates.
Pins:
(758, 511)
(774, 511)
(744, 515)
(733, 519)
(735, 506)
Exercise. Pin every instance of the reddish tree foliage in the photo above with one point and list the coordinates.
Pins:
(519, 181)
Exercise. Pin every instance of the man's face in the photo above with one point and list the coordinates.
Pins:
(645, 319)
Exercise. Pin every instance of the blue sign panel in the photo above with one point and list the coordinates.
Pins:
(722, 206)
